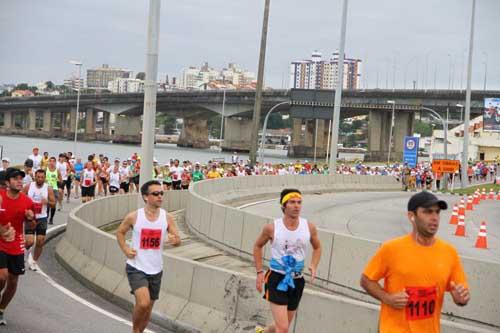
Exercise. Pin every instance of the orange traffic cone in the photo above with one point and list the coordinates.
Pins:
(492, 195)
(454, 215)
(483, 194)
(481, 242)
(460, 231)
(475, 201)
(461, 207)
(469, 203)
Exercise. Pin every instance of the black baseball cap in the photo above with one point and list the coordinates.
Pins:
(13, 172)
(425, 199)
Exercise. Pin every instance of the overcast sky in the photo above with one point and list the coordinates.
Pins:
(38, 38)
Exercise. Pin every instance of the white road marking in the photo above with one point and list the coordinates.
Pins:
(78, 298)
(255, 203)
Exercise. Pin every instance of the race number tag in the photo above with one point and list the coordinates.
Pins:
(37, 207)
(150, 239)
(421, 302)
(87, 182)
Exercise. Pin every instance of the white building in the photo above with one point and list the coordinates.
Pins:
(72, 83)
(124, 85)
(316, 73)
(483, 146)
(199, 78)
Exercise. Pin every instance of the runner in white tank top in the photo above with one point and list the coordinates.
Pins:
(42, 196)
(151, 226)
(284, 283)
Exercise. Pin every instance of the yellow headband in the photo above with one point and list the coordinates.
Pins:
(289, 196)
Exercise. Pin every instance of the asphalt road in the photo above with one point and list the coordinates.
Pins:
(382, 216)
(41, 306)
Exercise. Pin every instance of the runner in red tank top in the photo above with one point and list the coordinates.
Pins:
(16, 207)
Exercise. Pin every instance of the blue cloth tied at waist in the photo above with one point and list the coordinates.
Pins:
(290, 265)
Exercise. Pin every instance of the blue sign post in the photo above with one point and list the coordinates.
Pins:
(410, 151)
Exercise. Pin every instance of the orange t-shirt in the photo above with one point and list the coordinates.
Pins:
(424, 272)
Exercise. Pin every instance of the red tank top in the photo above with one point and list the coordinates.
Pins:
(13, 210)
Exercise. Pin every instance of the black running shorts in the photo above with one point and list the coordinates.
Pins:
(138, 279)
(40, 229)
(290, 298)
(13, 263)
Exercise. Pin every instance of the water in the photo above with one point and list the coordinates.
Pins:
(17, 148)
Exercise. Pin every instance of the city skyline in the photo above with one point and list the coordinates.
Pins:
(434, 42)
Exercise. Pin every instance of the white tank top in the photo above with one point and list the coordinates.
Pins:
(63, 170)
(114, 179)
(37, 194)
(88, 178)
(147, 241)
(290, 243)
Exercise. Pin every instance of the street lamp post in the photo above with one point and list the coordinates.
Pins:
(260, 82)
(338, 92)
(150, 90)
(264, 128)
(222, 117)
(79, 65)
(465, 154)
(445, 130)
(390, 131)
(485, 70)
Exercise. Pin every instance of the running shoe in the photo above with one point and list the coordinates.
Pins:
(34, 266)
(259, 329)
(2, 320)
(30, 259)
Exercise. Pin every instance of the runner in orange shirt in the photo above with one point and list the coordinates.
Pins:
(417, 269)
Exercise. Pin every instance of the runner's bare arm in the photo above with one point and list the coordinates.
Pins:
(265, 236)
(26, 189)
(173, 233)
(460, 294)
(396, 300)
(316, 255)
(59, 177)
(125, 226)
(7, 232)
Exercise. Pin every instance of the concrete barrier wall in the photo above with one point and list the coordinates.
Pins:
(343, 257)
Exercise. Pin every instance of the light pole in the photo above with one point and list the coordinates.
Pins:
(465, 154)
(258, 91)
(390, 131)
(461, 112)
(445, 129)
(79, 65)
(338, 92)
(485, 69)
(264, 128)
(150, 89)
(222, 117)
(406, 71)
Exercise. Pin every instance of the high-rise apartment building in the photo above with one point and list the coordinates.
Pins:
(100, 77)
(316, 73)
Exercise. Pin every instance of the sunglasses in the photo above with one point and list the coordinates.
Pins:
(157, 193)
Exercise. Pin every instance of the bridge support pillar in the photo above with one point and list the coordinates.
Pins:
(32, 119)
(194, 133)
(127, 129)
(72, 120)
(89, 121)
(378, 135)
(403, 126)
(7, 122)
(105, 123)
(306, 135)
(237, 134)
(47, 121)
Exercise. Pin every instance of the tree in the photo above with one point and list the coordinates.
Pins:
(424, 129)
(50, 85)
(141, 76)
(357, 124)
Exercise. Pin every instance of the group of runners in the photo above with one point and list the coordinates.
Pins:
(411, 296)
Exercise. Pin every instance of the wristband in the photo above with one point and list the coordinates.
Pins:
(260, 271)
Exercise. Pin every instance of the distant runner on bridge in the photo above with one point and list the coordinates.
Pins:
(150, 226)
(417, 270)
(284, 281)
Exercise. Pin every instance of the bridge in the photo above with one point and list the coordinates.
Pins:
(55, 116)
